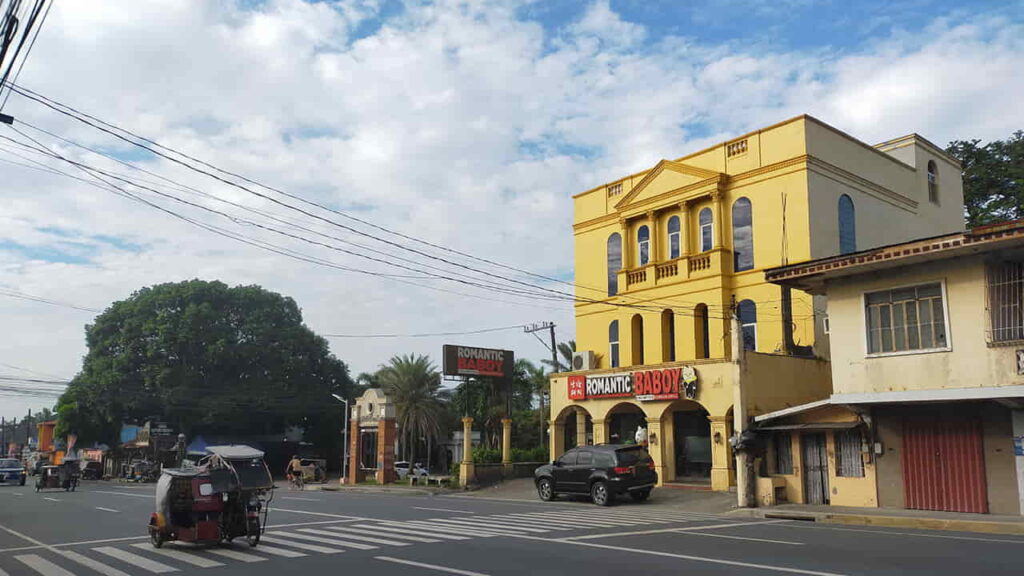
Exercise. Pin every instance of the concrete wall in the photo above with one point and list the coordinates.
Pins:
(968, 362)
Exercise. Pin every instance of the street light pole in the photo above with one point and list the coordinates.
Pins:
(344, 451)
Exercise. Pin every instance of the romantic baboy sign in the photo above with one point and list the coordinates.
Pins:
(644, 385)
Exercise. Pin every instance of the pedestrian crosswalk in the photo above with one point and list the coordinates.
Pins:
(135, 558)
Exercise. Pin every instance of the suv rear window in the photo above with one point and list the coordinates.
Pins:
(633, 456)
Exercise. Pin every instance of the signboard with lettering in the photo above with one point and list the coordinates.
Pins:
(644, 385)
(470, 361)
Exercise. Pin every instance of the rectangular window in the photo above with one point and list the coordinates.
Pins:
(783, 453)
(645, 252)
(849, 462)
(906, 319)
(1006, 301)
(613, 353)
(673, 244)
(705, 237)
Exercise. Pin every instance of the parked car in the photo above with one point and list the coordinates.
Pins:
(603, 472)
(12, 471)
(404, 469)
(92, 470)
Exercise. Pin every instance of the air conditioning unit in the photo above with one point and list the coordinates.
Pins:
(583, 360)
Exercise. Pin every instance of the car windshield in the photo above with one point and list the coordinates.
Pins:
(632, 456)
(9, 463)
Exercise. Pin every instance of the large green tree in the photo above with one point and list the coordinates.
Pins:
(413, 383)
(993, 177)
(207, 359)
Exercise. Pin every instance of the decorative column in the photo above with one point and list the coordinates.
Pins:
(387, 432)
(716, 207)
(684, 229)
(557, 439)
(355, 475)
(581, 428)
(467, 472)
(655, 443)
(654, 248)
(627, 246)
(506, 444)
(600, 430)
(722, 471)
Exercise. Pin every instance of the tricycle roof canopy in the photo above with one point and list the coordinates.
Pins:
(235, 452)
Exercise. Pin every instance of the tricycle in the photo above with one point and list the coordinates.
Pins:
(63, 477)
(225, 497)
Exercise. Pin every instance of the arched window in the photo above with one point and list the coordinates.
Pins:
(933, 182)
(613, 343)
(668, 336)
(847, 226)
(643, 243)
(614, 263)
(742, 236)
(673, 237)
(700, 331)
(637, 339)
(706, 235)
(748, 322)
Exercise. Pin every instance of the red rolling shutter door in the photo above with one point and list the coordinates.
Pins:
(943, 463)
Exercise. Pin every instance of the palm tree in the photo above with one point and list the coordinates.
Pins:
(541, 386)
(565, 350)
(413, 384)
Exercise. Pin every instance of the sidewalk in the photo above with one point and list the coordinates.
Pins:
(892, 518)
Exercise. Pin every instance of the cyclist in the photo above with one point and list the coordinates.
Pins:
(294, 472)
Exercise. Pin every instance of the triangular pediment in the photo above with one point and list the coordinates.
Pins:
(665, 177)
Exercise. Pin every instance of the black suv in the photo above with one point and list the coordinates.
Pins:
(604, 472)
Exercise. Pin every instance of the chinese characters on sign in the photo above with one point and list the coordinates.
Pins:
(645, 385)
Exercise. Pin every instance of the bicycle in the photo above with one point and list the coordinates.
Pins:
(296, 482)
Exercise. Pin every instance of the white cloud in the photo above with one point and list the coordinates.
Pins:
(457, 122)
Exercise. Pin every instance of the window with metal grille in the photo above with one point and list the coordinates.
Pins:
(905, 319)
(933, 182)
(613, 343)
(1006, 301)
(783, 453)
(849, 463)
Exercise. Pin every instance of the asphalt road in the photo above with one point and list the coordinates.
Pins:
(100, 530)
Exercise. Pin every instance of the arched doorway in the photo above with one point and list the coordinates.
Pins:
(622, 421)
(565, 433)
(690, 454)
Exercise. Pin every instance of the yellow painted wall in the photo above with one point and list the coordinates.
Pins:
(969, 362)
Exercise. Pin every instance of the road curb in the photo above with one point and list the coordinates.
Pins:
(881, 521)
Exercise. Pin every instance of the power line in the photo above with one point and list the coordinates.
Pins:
(40, 299)
(425, 335)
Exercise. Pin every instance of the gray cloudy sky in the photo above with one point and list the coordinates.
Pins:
(469, 124)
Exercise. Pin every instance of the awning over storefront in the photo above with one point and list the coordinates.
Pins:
(812, 426)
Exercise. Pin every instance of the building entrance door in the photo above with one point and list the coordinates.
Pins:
(692, 438)
(815, 464)
(944, 463)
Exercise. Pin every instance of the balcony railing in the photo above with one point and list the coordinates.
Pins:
(681, 269)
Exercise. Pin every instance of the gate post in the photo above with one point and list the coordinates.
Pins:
(467, 471)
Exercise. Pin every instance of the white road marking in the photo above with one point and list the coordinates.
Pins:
(706, 559)
(348, 530)
(578, 520)
(335, 539)
(526, 522)
(492, 526)
(122, 494)
(739, 538)
(106, 509)
(792, 524)
(17, 493)
(181, 555)
(555, 518)
(299, 499)
(444, 510)
(360, 538)
(341, 516)
(666, 530)
(50, 499)
(41, 565)
(135, 560)
(429, 566)
(301, 545)
(416, 532)
(236, 555)
(279, 551)
(2, 573)
(94, 564)
(585, 517)
(452, 529)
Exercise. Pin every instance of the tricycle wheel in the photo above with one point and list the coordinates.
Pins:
(253, 539)
(157, 538)
(37, 487)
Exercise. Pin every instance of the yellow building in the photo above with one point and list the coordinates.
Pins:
(927, 410)
(666, 256)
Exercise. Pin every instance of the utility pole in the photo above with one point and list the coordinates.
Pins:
(745, 481)
(550, 326)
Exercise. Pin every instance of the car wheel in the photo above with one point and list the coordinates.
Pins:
(640, 495)
(600, 494)
(546, 489)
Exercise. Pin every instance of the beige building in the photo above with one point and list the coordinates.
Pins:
(927, 350)
(665, 256)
